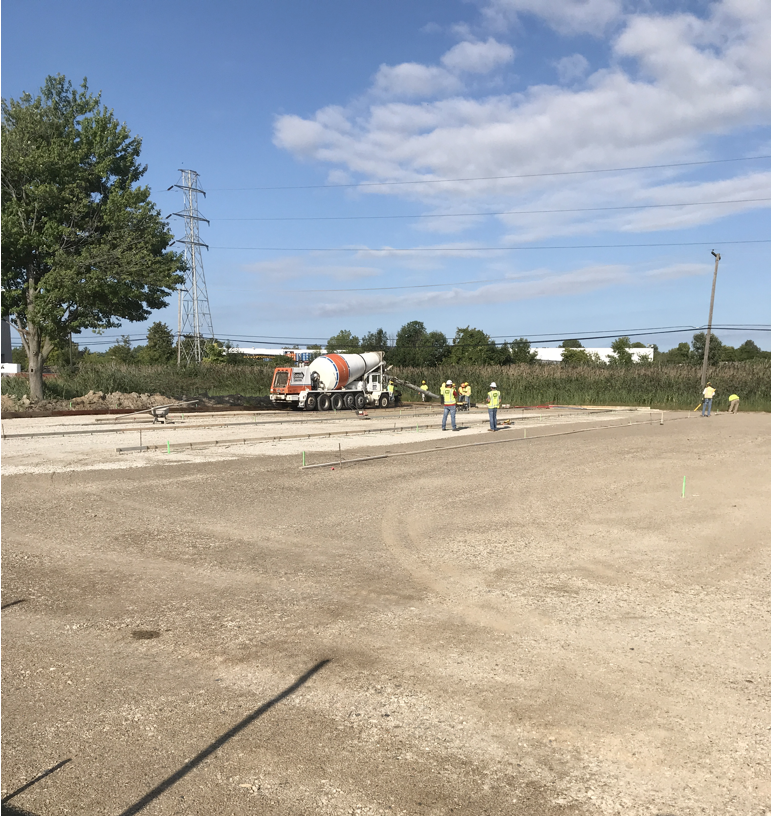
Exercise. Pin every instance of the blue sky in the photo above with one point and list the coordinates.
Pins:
(337, 101)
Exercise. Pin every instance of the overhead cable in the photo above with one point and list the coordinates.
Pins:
(387, 250)
(494, 178)
(502, 212)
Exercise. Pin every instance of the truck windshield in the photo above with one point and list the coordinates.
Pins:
(280, 379)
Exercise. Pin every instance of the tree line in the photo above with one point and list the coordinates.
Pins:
(414, 347)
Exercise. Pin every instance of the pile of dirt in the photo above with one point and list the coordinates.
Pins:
(93, 401)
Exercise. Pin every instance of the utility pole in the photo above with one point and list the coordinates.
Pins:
(194, 321)
(704, 380)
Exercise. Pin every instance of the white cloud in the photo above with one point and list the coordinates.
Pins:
(571, 68)
(633, 189)
(677, 81)
(477, 57)
(291, 268)
(674, 271)
(446, 250)
(571, 283)
(564, 16)
(412, 80)
(542, 283)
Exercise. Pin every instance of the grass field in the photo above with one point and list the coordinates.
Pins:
(658, 386)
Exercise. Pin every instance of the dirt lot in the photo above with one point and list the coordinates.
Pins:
(542, 627)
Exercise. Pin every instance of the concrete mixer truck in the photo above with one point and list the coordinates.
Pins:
(333, 381)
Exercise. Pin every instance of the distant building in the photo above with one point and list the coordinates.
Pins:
(7, 366)
(554, 355)
(298, 355)
(5, 342)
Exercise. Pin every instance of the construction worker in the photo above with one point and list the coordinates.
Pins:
(734, 403)
(707, 399)
(466, 393)
(449, 395)
(494, 400)
(391, 391)
(424, 387)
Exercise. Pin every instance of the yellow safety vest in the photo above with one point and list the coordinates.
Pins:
(733, 397)
(391, 388)
(709, 392)
(424, 387)
(494, 399)
(466, 391)
(448, 398)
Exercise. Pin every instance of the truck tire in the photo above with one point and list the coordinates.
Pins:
(337, 402)
(383, 401)
(359, 401)
(324, 402)
(348, 401)
(311, 402)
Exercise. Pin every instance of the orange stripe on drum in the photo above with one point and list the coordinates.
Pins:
(343, 369)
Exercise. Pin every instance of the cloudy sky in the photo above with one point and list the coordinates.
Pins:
(540, 168)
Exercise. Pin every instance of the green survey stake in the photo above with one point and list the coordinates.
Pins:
(683, 489)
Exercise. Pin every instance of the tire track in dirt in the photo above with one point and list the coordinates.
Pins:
(451, 585)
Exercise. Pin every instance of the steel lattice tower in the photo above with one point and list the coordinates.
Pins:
(194, 320)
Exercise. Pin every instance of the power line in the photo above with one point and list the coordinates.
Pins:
(557, 339)
(502, 212)
(387, 250)
(494, 178)
(272, 340)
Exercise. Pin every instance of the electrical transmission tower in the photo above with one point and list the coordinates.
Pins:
(194, 320)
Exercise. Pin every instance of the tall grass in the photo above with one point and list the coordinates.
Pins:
(658, 386)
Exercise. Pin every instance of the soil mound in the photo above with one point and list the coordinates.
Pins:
(93, 401)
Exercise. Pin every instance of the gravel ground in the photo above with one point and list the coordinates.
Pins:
(538, 628)
(93, 444)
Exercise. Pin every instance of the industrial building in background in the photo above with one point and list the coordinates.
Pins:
(194, 320)
(7, 365)
(555, 355)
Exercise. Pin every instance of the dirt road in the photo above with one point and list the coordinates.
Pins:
(536, 628)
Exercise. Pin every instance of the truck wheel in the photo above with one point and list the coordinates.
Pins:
(383, 402)
(311, 402)
(359, 401)
(324, 402)
(348, 401)
(337, 402)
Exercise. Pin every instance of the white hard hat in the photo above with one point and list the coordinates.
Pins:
(493, 385)
(449, 382)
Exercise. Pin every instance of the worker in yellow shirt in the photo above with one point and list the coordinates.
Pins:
(449, 396)
(494, 400)
(734, 403)
(424, 387)
(707, 399)
(466, 392)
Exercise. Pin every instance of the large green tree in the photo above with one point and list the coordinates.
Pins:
(520, 351)
(714, 352)
(375, 341)
(621, 355)
(344, 341)
(160, 346)
(473, 347)
(414, 346)
(83, 247)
